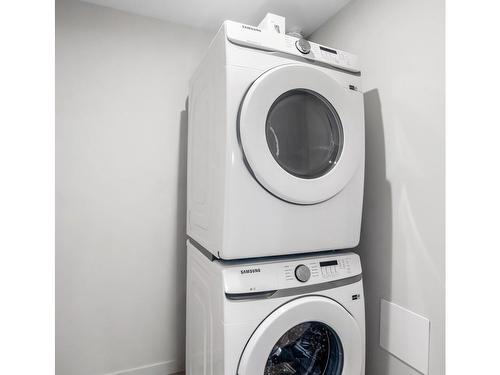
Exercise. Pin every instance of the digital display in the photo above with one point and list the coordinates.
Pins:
(327, 50)
(329, 263)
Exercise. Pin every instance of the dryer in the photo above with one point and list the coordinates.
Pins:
(275, 146)
(285, 315)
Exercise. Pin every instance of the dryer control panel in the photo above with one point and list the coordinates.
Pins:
(251, 36)
(262, 276)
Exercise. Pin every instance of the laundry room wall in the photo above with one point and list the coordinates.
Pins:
(401, 48)
(121, 125)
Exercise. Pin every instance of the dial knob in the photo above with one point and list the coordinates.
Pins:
(303, 46)
(302, 273)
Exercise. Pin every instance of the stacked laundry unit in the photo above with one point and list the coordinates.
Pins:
(275, 191)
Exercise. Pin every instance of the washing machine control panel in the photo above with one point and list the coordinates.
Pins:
(320, 270)
(263, 276)
(251, 36)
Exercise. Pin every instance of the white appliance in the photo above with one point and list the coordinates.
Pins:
(286, 315)
(276, 146)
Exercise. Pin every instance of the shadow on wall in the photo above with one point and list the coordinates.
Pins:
(375, 247)
(181, 230)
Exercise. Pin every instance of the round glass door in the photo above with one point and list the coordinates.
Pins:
(310, 348)
(327, 342)
(304, 133)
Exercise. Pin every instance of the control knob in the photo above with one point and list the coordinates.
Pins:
(302, 273)
(303, 46)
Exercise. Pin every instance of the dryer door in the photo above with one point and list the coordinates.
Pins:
(301, 133)
(307, 336)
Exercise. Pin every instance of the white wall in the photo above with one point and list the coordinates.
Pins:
(121, 88)
(401, 47)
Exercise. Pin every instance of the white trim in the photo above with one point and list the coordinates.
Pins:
(159, 368)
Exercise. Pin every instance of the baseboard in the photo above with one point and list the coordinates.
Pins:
(160, 368)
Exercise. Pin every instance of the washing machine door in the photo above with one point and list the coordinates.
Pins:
(301, 133)
(307, 336)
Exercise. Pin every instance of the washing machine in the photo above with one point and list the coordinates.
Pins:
(275, 146)
(301, 315)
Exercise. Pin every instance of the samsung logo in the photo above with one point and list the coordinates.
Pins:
(250, 270)
(251, 28)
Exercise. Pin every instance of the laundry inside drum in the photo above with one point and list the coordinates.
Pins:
(310, 348)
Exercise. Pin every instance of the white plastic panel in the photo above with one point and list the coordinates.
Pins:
(405, 335)
(256, 37)
(265, 276)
